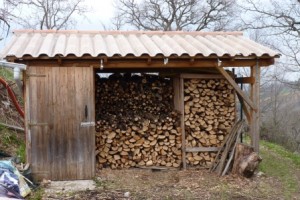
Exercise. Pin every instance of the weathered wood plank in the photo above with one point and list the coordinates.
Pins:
(55, 127)
(79, 86)
(33, 116)
(12, 127)
(92, 137)
(71, 157)
(244, 80)
(202, 149)
(254, 94)
(201, 76)
(85, 131)
(143, 62)
(50, 116)
(64, 126)
(27, 118)
(182, 125)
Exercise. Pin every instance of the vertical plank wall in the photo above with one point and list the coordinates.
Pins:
(59, 148)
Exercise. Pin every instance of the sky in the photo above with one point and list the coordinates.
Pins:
(101, 13)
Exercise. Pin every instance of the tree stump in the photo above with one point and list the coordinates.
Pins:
(246, 161)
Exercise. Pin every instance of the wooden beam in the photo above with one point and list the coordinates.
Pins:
(27, 116)
(250, 80)
(202, 76)
(182, 123)
(254, 94)
(245, 109)
(145, 62)
(237, 88)
(202, 149)
(12, 127)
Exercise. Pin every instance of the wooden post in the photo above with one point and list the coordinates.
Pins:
(254, 95)
(27, 116)
(182, 122)
(178, 88)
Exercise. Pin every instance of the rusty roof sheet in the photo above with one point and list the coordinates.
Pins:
(53, 43)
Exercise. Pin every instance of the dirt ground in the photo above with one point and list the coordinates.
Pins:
(190, 184)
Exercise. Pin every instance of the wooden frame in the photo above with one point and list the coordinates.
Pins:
(180, 106)
(131, 62)
(254, 114)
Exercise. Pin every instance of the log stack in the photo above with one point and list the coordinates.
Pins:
(209, 109)
(136, 122)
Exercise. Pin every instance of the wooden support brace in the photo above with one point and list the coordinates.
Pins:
(244, 80)
(237, 88)
(245, 109)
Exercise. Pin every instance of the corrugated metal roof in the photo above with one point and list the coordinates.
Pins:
(137, 43)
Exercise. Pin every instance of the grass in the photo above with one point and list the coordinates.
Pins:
(7, 74)
(11, 140)
(293, 157)
(21, 152)
(8, 137)
(281, 164)
(36, 194)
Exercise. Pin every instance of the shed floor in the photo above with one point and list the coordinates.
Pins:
(134, 184)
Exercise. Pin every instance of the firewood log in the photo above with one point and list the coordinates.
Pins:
(136, 122)
(209, 108)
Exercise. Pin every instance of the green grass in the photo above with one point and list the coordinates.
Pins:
(281, 164)
(21, 152)
(7, 74)
(294, 157)
(36, 194)
(9, 138)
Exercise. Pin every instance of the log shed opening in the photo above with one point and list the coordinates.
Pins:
(138, 119)
(175, 112)
(136, 122)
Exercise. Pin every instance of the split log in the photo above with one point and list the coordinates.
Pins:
(246, 161)
(209, 108)
(136, 122)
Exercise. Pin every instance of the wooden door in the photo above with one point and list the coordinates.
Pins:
(59, 117)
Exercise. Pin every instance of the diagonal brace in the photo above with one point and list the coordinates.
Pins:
(237, 88)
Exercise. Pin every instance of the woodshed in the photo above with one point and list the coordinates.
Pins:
(121, 99)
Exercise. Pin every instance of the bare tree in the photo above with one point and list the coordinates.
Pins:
(175, 14)
(6, 10)
(280, 21)
(48, 14)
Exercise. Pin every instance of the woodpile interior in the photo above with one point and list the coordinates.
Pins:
(137, 124)
(209, 113)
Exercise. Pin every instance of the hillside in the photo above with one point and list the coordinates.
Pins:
(11, 142)
(280, 106)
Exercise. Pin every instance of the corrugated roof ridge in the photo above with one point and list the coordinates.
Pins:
(128, 32)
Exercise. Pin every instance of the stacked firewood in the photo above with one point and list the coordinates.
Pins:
(209, 108)
(136, 122)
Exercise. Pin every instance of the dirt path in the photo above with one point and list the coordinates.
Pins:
(190, 184)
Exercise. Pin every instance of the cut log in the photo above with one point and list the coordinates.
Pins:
(209, 109)
(246, 161)
(137, 124)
